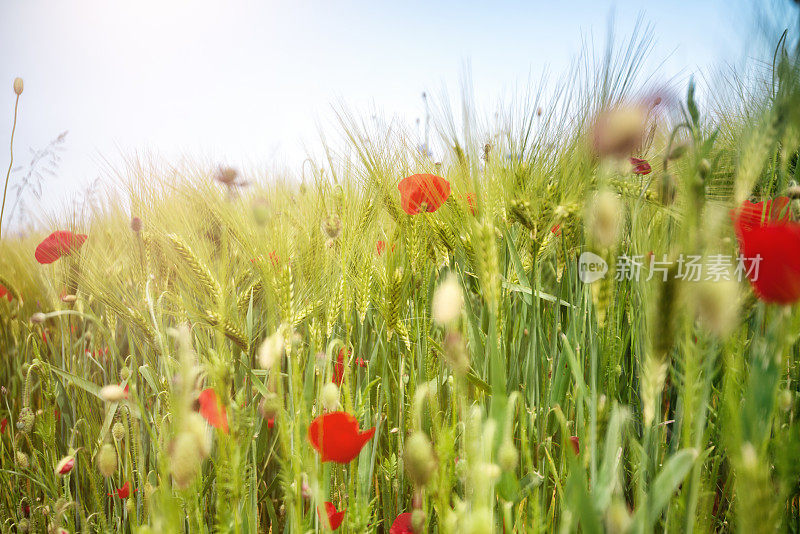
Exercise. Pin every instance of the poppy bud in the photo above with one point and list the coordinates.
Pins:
(113, 393)
(332, 226)
(418, 458)
(22, 460)
(38, 318)
(605, 218)
(620, 131)
(65, 465)
(668, 189)
(678, 151)
(118, 431)
(25, 420)
(124, 373)
(18, 86)
(23, 526)
(330, 396)
(196, 425)
(455, 352)
(271, 350)
(106, 460)
(226, 176)
(269, 406)
(704, 168)
(507, 456)
(448, 301)
(184, 459)
(136, 224)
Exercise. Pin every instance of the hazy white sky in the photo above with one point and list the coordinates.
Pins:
(246, 82)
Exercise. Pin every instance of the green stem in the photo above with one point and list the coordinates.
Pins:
(10, 164)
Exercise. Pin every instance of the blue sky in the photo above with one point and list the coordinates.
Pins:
(247, 83)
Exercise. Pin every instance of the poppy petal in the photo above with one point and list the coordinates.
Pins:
(211, 409)
(59, 243)
(426, 191)
(124, 491)
(336, 436)
(402, 524)
(334, 518)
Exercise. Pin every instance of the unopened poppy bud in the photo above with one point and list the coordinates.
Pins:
(106, 460)
(25, 420)
(605, 218)
(196, 425)
(226, 176)
(23, 526)
(185, 459)
(418, 458)
(507, 456)
(65, 465)
(18, 86)
(113, 393)
(22, 460)
(124, 373)
(448, 301)
(69, 299)
(704, 168)
(620, 131)
(332, 226)
(455, 352)
(118, 431)
(38, 318)
(330, 396)
(269, 406)
(668, 189)
(678, 151)
(271, 350)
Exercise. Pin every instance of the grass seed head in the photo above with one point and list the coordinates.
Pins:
(418, 458)
(330, 396)
(448, 301)
(605, 218)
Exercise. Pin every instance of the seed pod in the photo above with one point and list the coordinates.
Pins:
(18, 86)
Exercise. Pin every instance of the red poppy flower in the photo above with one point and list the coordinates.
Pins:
(57, 244)
(271, 423)
(335, 435)
(334, 518)
(576, 444)
(361, 362)
(402, 524)
(211, 409)
(5, 293)
(640, 166)
(753, 215)
(3, 425)
(423, 192)
(338, 368)
(65, 465)
(124, 491)
(769, 242)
